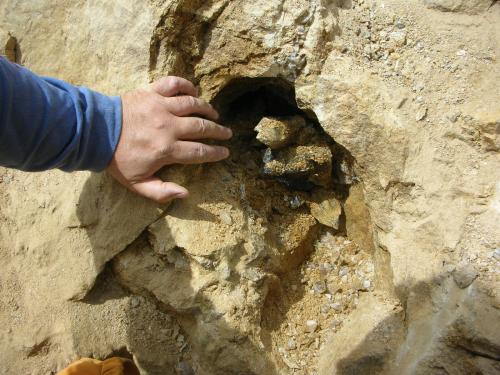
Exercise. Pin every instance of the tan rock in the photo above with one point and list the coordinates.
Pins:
(278, 132)
(327, 210)
(366, 341)
(358, 220)
(467, 6)
(424, 198)
(302, 164)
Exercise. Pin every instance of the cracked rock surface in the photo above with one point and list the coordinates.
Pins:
(353, 230)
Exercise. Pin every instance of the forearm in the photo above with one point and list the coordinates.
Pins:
(46, 123)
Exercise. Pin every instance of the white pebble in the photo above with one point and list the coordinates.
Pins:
(496, 254)
(225, 218)
(336, 306)
(343, 271)
(311, 326)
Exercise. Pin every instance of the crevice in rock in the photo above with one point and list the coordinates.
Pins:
(40, 348)
(106, 287)
(13, 49)
(263, 113)
(181, 36)
(291, 183)
(122, 352)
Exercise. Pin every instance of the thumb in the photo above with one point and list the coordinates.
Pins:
(158, 190)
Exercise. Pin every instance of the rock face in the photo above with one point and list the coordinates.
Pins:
(355, 232)
(467, 6)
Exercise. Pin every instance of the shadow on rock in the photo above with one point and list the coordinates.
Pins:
(167, 281)
(441, 330)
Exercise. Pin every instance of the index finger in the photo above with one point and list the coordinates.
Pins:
(173, 86)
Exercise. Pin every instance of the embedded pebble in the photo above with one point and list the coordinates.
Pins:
(367, 284)
(311, 326)
(496, 254)
(454, 117)
(135, 301)
(400, 24)
(243, 192)
(225, 218)
(268, 156)
(397, 38)
(325, 269)
(224, 271)
(343, 271)
(296, 202)
(465, 275)
(421, 114)
(319, 287)
(291, 345)
(336, 306)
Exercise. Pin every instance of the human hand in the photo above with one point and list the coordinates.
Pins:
(160, 123)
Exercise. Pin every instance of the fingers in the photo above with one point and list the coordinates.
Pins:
(172, 86)
(192, 128)
(197, 153)
(188, 106)
(158, 190)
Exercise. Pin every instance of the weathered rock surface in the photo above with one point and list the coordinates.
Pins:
(372, 333)
(278, 132)
(468, 6)
(465, 275)
(326, 209)
(224, 283)
(311, 163)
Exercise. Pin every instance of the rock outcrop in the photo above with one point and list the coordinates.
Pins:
(353, 230)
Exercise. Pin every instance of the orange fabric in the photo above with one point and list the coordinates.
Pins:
(112, 366)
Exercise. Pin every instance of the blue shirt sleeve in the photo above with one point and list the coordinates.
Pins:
(46, 123)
